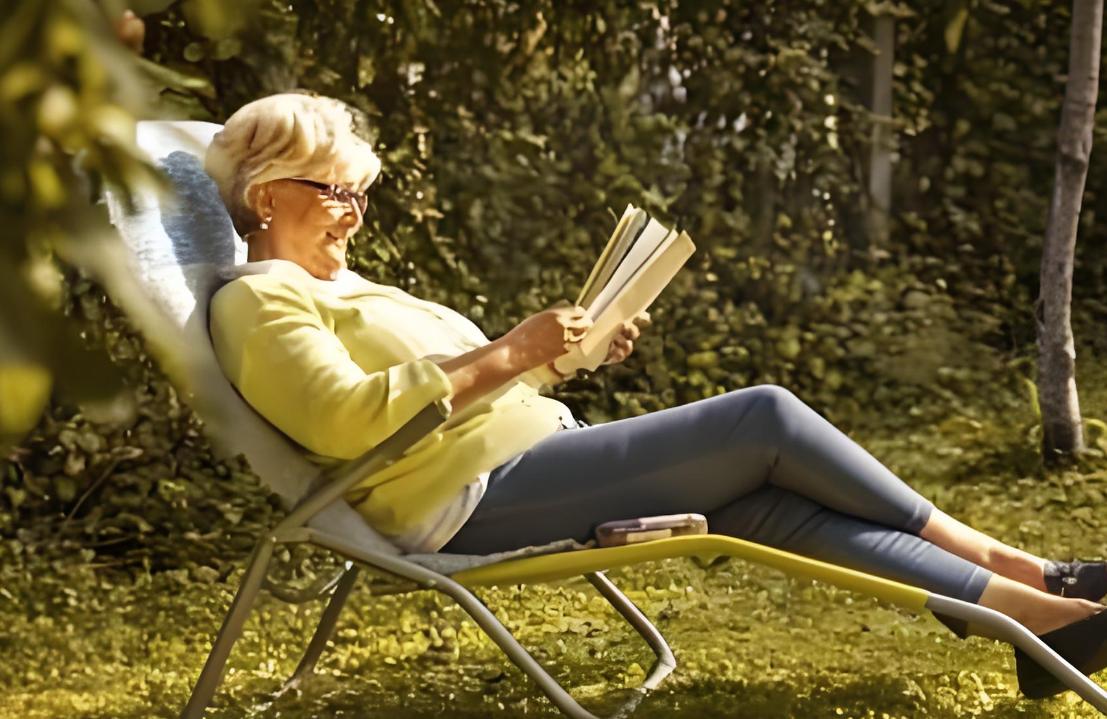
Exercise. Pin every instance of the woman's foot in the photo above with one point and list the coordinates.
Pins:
(1081, 580)
(1082, 643)
(1038, 611)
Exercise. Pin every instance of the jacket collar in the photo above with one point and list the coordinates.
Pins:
(347, 283)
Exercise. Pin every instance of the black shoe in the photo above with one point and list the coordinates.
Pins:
(1083, 644)
(1080, 580)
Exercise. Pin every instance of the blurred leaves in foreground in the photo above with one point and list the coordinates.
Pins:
(65, 119)
(69, 96)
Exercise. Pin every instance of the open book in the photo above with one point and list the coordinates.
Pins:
(640, 259)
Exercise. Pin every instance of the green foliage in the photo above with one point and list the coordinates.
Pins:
(69, 93)
(980, 126)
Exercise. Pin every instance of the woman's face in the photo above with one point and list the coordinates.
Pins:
(307, 224)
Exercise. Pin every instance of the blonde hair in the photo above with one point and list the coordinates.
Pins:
(284, 136)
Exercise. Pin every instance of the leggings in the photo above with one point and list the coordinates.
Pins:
(757, 462)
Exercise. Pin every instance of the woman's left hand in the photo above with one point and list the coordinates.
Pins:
(623, 343)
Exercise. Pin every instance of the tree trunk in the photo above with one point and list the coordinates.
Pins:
(1062, 433)
(882, 141)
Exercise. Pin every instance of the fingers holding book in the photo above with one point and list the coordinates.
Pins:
(575, 321)
(623, 343)
(546, 335)
(621, 348)
(632, 328)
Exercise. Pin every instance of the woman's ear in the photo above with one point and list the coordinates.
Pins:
(261, 201)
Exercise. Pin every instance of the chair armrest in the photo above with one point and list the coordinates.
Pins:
(341, 479)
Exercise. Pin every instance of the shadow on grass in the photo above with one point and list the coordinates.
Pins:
(442, 695)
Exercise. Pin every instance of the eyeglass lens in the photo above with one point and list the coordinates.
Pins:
(335, 192)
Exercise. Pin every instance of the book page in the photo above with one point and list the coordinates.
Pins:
(648, 242)
(617, 289)
(639, 293)
(626, 231)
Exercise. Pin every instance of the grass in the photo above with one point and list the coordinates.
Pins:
(96, 642)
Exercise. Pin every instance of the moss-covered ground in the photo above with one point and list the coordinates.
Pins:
(81, 639)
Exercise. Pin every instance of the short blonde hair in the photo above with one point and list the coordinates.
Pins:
(284, 136)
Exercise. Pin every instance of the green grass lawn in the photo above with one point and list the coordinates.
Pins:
(95, 642)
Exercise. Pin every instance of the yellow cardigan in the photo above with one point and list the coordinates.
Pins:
(338, 366)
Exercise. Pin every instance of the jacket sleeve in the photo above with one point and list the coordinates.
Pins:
(276, 350)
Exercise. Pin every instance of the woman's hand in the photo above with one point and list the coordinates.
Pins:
(545, 336)
(623, 343)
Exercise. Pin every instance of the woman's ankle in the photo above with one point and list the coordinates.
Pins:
(1018, 566)
(977, 547)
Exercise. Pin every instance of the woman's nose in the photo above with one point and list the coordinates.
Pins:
(350, 216)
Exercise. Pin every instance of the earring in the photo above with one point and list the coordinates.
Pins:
(265, 223)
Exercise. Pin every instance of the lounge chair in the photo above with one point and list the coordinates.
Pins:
(178, 249)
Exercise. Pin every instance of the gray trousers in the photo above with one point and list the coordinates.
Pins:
(758, 462)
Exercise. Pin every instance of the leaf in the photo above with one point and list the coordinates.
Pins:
(216, 19)
(175, 80)
(24, 390)
(1032, 392)
(955, 29)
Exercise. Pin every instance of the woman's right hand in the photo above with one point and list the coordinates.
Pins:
(545, 336)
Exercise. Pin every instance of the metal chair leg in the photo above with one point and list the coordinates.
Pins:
(666, 662)
(208, 681)
(324, 631)
(212, 672)
(476, 609)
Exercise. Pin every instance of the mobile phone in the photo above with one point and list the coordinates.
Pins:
(621, 532)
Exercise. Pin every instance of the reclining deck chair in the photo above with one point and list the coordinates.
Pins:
(178, 248)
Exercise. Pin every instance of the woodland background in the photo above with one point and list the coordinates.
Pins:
(512, 134)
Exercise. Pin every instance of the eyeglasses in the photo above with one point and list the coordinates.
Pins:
(337, 192)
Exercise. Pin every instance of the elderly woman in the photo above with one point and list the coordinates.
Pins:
(338, 363)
